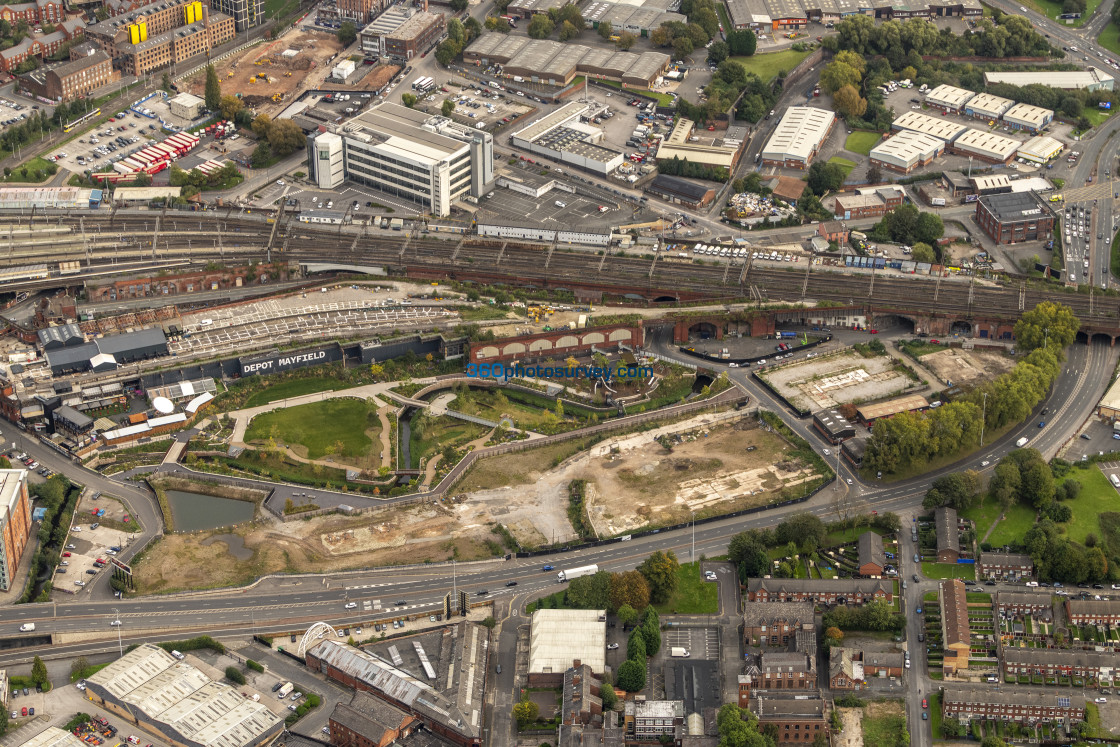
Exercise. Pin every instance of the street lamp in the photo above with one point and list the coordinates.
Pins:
(117, 619)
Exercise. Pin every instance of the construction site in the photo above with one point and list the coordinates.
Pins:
(268, 75)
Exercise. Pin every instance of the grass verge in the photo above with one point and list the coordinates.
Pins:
(693, 595)
(862, 141)
(766, 66)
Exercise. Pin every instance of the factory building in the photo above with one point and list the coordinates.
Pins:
(172, 699)
(66, 81)
(560, 639)
(949, 98)
(554, 63)
(986, 146)
(1028, 117)
(1015, 217)
(563, 136)
(372, 37)
(687, 143)
(107, 353)
(416, 35)
(447, 699)
(987, 106)
(798, 137)
(1040, 149)
(15, 523)
(639, 21)
(906, 151)
(425, 158)
(939, 128)
(1093, 79)
(680, 191)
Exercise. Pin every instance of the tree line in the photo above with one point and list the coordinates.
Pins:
(917, 437)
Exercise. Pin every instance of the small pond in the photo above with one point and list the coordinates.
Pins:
(194, 511)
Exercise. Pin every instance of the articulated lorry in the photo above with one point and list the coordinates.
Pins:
(568, 575)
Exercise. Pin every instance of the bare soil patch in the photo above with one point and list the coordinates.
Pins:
(967, 367)
(851, 733)
(314, 48)
(843, 377)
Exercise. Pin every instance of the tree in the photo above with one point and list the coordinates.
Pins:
(606, 30)
(347, 33)
(742, 43)
(213, 94)
(142, 179)
(836, 74)
(525, 712)
(849, 103)
(628, 589)
(230, 106)
(738, 727)
(930, 228)
(540, 27)
(1046, 324)
(833, 637)
(661, 36)
(718, 52)
(627, 615)
(747, 551)
(39, 673)
(78, 667)
(285, 137)
(651, 631)
(804, 530)
(636, 645)
(631, 676)
(923, 253)
(568, 31)
(261, 126)
(590, 592)
(447, 107)
(234, 675)
(408, 100)
(626, 40)
(459, 5)
(825, 177)
(165, 82)
(683, 46)
(1071, 106)
(992, 741)
(660, 570)
(608, 696)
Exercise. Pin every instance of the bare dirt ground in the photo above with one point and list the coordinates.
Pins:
(967, 367)
(831, 380)
(321, 544)
(851, 734)
(377, 77)
(710, 472)
(314, 48)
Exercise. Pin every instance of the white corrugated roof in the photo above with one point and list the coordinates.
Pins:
(559, 637)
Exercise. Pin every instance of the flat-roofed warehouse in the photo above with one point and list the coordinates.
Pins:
(939, 128)
(561, 135)
(1109, 406)
(987, 106)
(1028, 117)
(747, 14)
(682, 191)
(987, 146)
(1038, 149)
(706, 150)
(907, 150)
(949, 97)
(557, 638)
(1015, 217)
(798, 137)
(546, 61)
(1092, 79)
(151, 687)
(52, 736)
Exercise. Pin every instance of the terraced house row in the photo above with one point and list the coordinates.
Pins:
(761, 15)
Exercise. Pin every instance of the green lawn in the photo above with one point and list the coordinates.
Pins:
(293, 388)
(983, 514)
(694, 595)
(844, 163)
(1096, 116)
(346, 427)
(1052, 8)
(862, 141)
(37, 163)
(1110, 37)
(1097, 497)
(948, 570)
(766, 66)
(886, 730)
(1016, 521)
(662, 98)
(437, 433)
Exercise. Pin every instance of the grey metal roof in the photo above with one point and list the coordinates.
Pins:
(63, 334)
(128, 342)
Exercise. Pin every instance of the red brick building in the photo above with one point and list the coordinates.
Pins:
(797, 719)
(34, 14)
(968, 702)
(71, 80)
(1005, 566)
(1015, 217)
(1093, 611)
(872, 557)
(367, 721)
(15, 523)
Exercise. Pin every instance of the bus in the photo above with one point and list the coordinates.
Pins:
(423, 85)
(82, 120)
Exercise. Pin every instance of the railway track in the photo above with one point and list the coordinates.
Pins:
(243, 238)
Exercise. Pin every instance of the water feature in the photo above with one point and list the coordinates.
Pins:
(194, 511)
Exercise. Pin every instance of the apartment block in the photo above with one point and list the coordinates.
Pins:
(15, 523)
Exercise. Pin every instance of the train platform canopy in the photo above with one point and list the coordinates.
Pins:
(56, 198)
